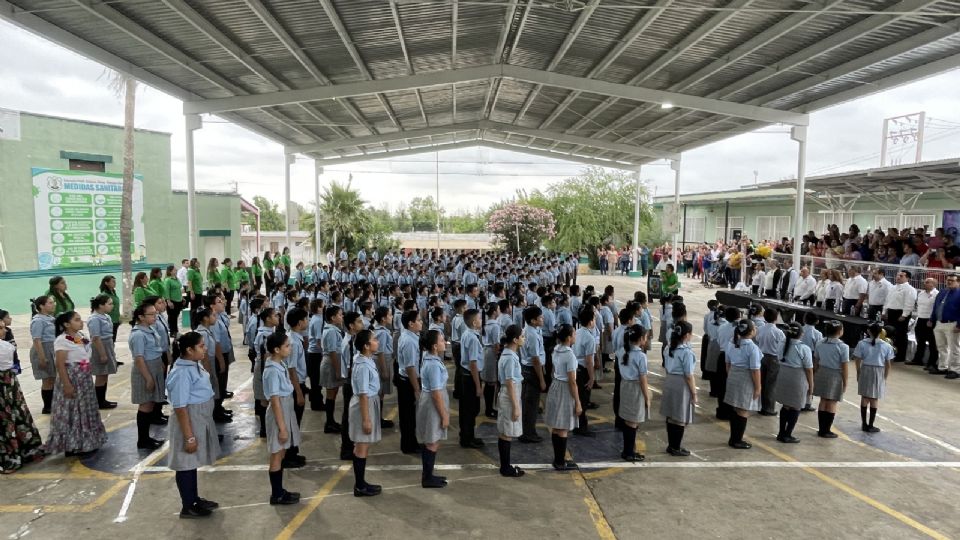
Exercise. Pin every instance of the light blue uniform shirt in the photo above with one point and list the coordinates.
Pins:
(385, 337)
(770, 339)
(532, 347)
(564, 361)
(145, 342)
(508, 367)
(347, 353)
(433, 376)
(298, 357)
(315, 334)
(746, 356)
(276, 380)
(211, 342)
(260, 342)
(798, 356)
(873, 355)
(491, 334)
(42, 327)
(810, 337)
(725, 334)
(645, 320)
(584, 346)
(636, 365)
(549, 322)
(408, 353)
(681, 362)
(564, 316)
(505, 320)
(332, 339)
(365, 379)
(100, 325)
(617, 340)
(831, 353)
(221, 330)
(188, 384)
(163, 332)
(470, 350)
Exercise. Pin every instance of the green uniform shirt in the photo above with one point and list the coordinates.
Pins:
(671, 283)
(285, 259)
(156, 288)
(228, 278)
(268, 265)
(172, 289)
(195, 280)
(213, 278)
(257, 270)
(115, 313)
(63, 304)
(242, 275)
(139, 293)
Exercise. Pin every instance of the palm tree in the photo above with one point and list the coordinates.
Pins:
(342, 214)
(126, 86)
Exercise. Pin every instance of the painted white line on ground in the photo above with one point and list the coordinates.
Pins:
(618, 465)
(137, 471)
(934, 440)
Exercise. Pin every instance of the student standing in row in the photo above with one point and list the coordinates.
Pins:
(268, 323)
(433, 408)
(173, 294)
(58, 290)
(491, 352)
(585, 349)
(297, 367)
(21, 443)
(194, 289)
(794, 382)
(282, 429)
(407, 380)
(634, 390)
(364, 419)
(382, 323)
(531, 361)
(471, 389)
(43, 333)
(330, 376)
(679, 388)
(830, 375)
(743, 359)
(103, 358)
(352, 324)
(563, 398)
(108, 286)
(193, 434)
(873, 357)
(147, 379)
(75, 425)
(315, 353)
(771, 341)
(509, 401)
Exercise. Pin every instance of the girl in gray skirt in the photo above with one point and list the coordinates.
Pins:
(192, 435)
(282, 429)
(872, 357)
(508, 420)
(103, 358)
(433, 408)
(830, 375)
(743, 359)
(364, 420)
(794, 381)
(679, 388)
(634, 390)
(147, 379)
(43, 333)
(563, 399)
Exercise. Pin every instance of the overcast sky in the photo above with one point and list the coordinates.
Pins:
(45, 78)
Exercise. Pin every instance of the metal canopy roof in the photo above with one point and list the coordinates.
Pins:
(342, 80)
(941, 176)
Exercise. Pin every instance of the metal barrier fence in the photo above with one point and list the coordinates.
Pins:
(917, 273)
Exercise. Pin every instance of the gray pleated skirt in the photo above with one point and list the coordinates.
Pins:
(561, 410)
(505, 424)
(51, 371)
(356, 420)
(791, 388)
(208, 447)
(489, 372)
(257, 380)
(676, 403)
(138, 385)
(100, 365)
(740, 390)
(328, 375)
(273, 430)
(428, 418)
(632, 407)
(713, 356)
(828, 384)
(871, 383)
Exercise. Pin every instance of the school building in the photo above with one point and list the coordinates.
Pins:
(916, 195)
(60, 209)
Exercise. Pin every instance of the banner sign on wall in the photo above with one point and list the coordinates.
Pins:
(78, 218)
(951, 225)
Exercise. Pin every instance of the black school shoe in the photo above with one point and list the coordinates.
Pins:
(159, 420)
(384, 424)
(292, 463)
(210, 505)
(149, 444)
(741, 445)
(369, 490)
(512, 472)
(332, 428)
(195, 512)
(952, 375)
(678, 452)
(433, 482)
(566, 466)
(633, 458)
(788, 439)
(533, 439)
(288, 497)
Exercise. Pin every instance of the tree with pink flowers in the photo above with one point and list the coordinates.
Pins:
(533, 224)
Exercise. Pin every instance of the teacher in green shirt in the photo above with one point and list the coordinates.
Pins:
(194, 290)
(670, 281)
(229, 279)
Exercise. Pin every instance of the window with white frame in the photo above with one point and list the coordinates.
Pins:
(909, 221)
(733, 222)
(886, 221)
(819, 221)
(773, 227)
(694, 229)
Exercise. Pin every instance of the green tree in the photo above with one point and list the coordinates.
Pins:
(343, 216)
(271, 218)
(423, 213)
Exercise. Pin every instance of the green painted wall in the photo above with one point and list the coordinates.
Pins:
(43, 139)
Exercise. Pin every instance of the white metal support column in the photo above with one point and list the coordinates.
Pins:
(289, 159)
(317, 173)
(634, 256)
(675, 165)
(192, 122)
(799, 134)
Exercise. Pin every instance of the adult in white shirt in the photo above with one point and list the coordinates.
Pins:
(854, 292)
(877, 291)
(924, 327)
(805, 288)
(901, 304)
(182, 272)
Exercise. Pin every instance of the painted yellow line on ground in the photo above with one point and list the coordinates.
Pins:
(108, 494)
(301, 517)
(604, 531)
(899, 516)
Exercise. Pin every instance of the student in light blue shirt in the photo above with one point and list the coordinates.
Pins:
(382, 324)
(509, 374)
(743, 359)
(282, 429)
(585, 349)
(433, 407)
(471, 388)
(147, 376)
(352, 324)
(770, 339)
(873, 357)
(315, 353)
(679, 388)
(634, 392)
(531, 362)
(794, 381)
(831, 358)
(297, 366)
(408, 380)
(364, 410)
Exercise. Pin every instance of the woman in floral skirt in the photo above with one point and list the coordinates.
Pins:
(20, 441)
(75, 425)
